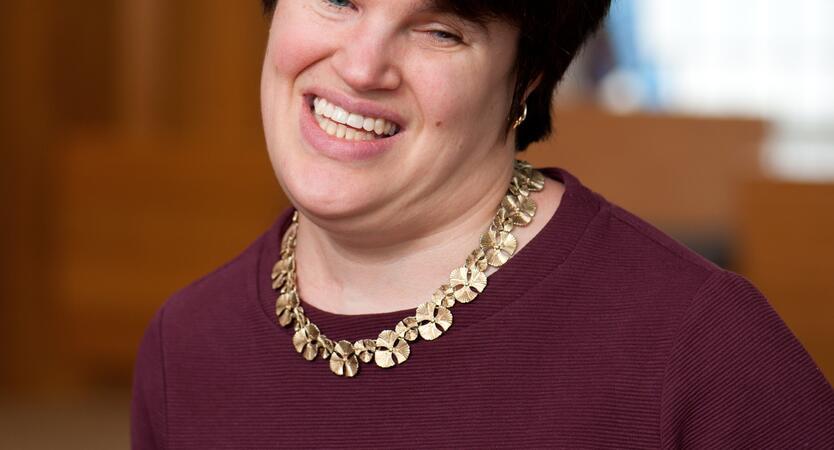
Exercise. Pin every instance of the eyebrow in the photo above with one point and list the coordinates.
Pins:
(432, 7)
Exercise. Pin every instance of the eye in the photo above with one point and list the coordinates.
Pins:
(445, 36)
(339, 4)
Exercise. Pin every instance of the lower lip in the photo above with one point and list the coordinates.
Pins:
(337, 148)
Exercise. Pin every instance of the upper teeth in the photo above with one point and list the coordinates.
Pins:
(335, 113)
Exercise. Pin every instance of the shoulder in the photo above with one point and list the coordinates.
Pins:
(216, 297)
(178, 324)
(737, 377)
(620, 240)
(707, 293)
(618, 265)
(635, 230)
(218, 303)
(234, 280)
(660, 273)
(732, 372)
(642, 264)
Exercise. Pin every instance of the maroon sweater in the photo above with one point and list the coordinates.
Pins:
(601, 332)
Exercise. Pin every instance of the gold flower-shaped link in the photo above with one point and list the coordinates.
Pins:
(301, 319)
(306, 341)
(365, 349)
(522, 165)
(326, 346)
(521, 209)
(279, 281)
(534, 179)
(285, 308)
(502, 220)
(407, 328)
(343, 361)
(523, 169)
(518, 185)
(444, 296)
(498, 247)
(279, 273)
(467, 283)
(535, 182)
(434, 320)
(391, 349)
(288, 241)
(522, 172)
(289, 284)
(477, 259)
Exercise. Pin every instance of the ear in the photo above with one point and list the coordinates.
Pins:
(532, 87)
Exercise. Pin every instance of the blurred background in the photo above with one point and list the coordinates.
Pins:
(132, 162)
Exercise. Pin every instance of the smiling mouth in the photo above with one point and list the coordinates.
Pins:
(350, 126)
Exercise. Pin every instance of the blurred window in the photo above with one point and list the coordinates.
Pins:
(763, 58)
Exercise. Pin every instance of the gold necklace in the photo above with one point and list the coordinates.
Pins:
(431, 319)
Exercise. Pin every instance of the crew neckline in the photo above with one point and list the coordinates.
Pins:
(544, 253)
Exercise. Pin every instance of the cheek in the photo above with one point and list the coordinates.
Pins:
(290, 55)
(460, 98)
(294, 45)
(437, 91)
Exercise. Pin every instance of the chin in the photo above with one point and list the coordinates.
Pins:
(331, 193)
(324, 207)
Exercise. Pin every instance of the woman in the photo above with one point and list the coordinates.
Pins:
(565, 322)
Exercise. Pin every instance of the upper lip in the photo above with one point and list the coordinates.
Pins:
(358, 106)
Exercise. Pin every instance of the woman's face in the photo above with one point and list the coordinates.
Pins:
(433, 89)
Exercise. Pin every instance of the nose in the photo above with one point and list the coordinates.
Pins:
(365, 60)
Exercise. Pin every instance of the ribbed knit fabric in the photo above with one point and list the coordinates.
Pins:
(601, 333)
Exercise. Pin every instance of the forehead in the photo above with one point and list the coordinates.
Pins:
(478, 12)
(435, 6)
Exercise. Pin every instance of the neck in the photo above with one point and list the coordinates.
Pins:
(354, 270)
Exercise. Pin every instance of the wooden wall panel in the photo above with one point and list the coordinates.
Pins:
(132, 227)
(183, 78)
(682, 173)
(785, 246)
(83, 63)
(27, 129)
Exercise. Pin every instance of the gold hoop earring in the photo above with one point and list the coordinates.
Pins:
(521, 119)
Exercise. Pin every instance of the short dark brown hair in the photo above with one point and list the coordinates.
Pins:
(551, 34)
